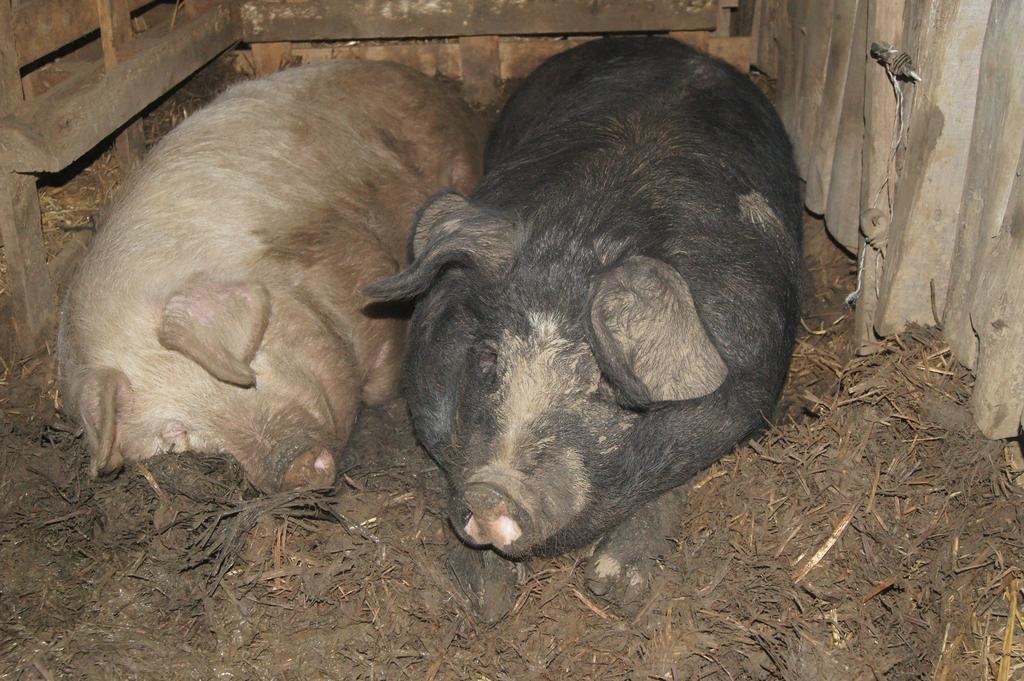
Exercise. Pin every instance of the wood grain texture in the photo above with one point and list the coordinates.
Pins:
(365, 19)
(30, 290)
(996, 139)
(885, 24)
(843, 209)
(998, 316)
(481, 69)
(917, 260)
(816, 35)
(42, 26)
(48, 133)
(822, 147)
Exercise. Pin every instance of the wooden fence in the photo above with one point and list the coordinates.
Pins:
(922, 179)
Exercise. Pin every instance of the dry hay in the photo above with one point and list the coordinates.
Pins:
(872, 534)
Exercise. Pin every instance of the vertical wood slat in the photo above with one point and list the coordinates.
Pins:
(884, 24)
(842, 211)
(481, 68)
(822, 145)
(917, 259)
(997, 136)
(30, 287)
(116, 36)
(816, 33)
(791, 27)
(998, 398)
(764, 34)
(270, 57)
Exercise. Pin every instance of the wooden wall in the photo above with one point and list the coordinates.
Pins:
(923, 181)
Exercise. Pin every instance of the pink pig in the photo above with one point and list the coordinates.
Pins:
(218, 309)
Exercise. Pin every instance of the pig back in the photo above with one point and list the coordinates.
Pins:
(358, 144)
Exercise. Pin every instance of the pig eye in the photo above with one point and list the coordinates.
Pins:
(488, 360)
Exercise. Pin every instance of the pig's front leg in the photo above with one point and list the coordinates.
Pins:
(624, 560)
(488, 581)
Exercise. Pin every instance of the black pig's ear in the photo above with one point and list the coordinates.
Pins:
(450, 231)
(647, 336)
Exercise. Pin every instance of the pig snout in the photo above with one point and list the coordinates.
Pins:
(285, 465)
(487, 515)
(311, 468)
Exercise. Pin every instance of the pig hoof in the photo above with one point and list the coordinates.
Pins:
(313, 468)
(619, 581)
(487, 580)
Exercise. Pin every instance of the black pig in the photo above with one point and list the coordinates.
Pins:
(614, 307)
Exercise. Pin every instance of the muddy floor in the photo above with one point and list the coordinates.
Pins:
(872, 533)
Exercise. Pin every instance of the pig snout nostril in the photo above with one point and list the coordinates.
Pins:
(492, 517)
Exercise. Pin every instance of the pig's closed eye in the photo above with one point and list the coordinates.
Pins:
(488, 361)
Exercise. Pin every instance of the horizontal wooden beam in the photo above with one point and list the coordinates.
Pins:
(50, 132)
(264, 21)
(43, 26)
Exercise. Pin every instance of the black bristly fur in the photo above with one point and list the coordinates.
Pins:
(618, 148)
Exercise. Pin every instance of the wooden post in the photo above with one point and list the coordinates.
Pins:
(116, 36)
(920, 244)
(884, 24)
(997, 136)
(811, 81)
(790, 45)
(822, 146)
(30, 287)
(842, 212)
(481, 69)
(765, 36)
(723, 17)
(270, 57)
(998, 398)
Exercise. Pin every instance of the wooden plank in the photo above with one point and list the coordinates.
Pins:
(50, 132)
(435, 58)
(917, 259)
(30, 290)
(765, 35)
(997, 135)
(842, 212)
(723, 17)
(116, 36)
(744, 17)
(270, 57)
(790, 50)
(822, 146)
(998, 398)
(695, 39)
(734, 49)
(811, 81)
(366, 19)
(519, 58)
(884, 24)
(481, 69)
(43, 26)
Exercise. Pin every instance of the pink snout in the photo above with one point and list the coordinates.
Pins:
(312, 468)
(493, 519)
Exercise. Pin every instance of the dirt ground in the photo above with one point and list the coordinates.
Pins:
(872, 533)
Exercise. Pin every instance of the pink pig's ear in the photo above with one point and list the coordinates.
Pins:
(219, 325)
(104, 392)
